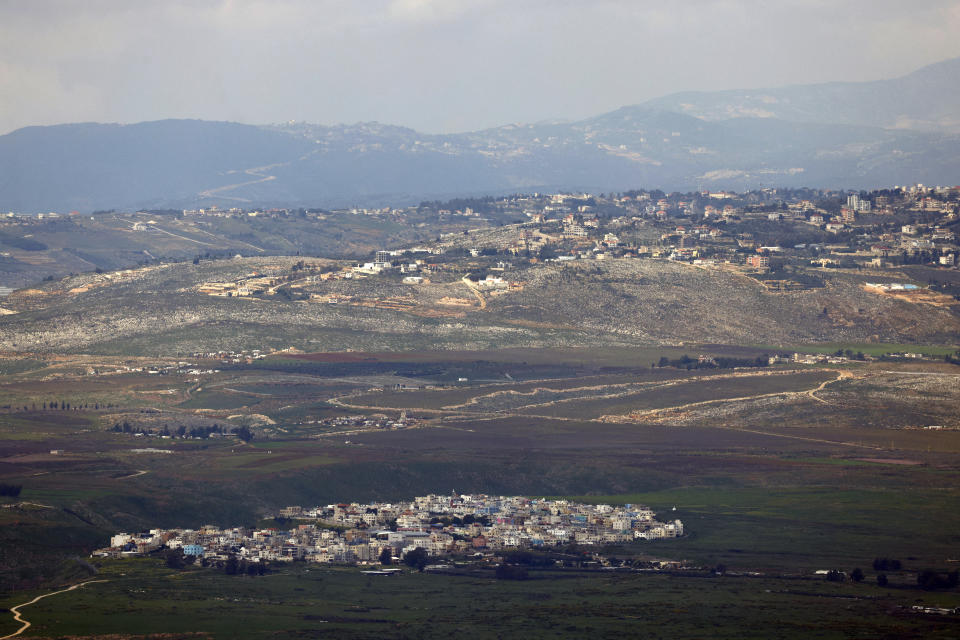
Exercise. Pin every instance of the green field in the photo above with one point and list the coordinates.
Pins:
(782, 486)
(302, 601)
(686, 392)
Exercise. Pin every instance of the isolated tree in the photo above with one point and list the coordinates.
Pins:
(10, 490)
(882, 580)
(386, 556)
(174, 559)
(930, 579)
(416, 559)
(886, 564)
(857, 575)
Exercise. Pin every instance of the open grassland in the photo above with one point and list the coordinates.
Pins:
(780, 474)
(143, 597)
(686, 392)
(476, 398)
(808, 528)
(880, 403)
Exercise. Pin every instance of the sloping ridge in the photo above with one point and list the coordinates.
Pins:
(924, 100)
(836, 135)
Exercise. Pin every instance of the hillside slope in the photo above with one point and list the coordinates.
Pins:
(923, 100)
(838, 135)
(599, 303)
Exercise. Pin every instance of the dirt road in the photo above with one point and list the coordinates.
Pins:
(26, 625)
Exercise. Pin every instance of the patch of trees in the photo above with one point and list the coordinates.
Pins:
(478, 274)
(57, 405)
(62, 405)
(243, 433)
(237, 567)
(417, 558)
(176, 559)
(919, 256)
(511, 572)
(486, 204)
(849, 354)
(465, 521)
(931, 580)
(720, 362)
(10, 490)
(953, 358)
(285, 294)
(182, 431)
(528, 559)
(547, 253)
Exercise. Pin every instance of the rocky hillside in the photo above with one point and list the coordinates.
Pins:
(158, 310)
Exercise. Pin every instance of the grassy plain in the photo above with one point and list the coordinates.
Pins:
(808, 478)
(141, 596)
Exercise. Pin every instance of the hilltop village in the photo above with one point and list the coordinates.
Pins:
(528, 269)
(456, 525)
(780, 237)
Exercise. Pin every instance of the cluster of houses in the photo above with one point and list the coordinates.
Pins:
(641, 224)
(366, 422)
(229, 356)
(251, 285)
(873, 231)
(442, 525)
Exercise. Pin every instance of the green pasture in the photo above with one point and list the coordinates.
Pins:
(685, 393)
(142, 596)
(217, 399)
(807, 528)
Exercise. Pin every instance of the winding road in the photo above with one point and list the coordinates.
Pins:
(476, 291)
(26, 625)
(258, 173)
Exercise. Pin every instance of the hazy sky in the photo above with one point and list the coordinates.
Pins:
(436, 65)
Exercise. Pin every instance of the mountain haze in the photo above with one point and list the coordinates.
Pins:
(840, 135)
(924, 100)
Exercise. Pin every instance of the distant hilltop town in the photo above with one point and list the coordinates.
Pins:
(381, 532)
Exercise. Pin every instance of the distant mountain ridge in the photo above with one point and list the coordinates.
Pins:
(924, 100)
(841, 135)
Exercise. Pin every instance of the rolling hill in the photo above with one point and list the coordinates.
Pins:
(837, 135)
